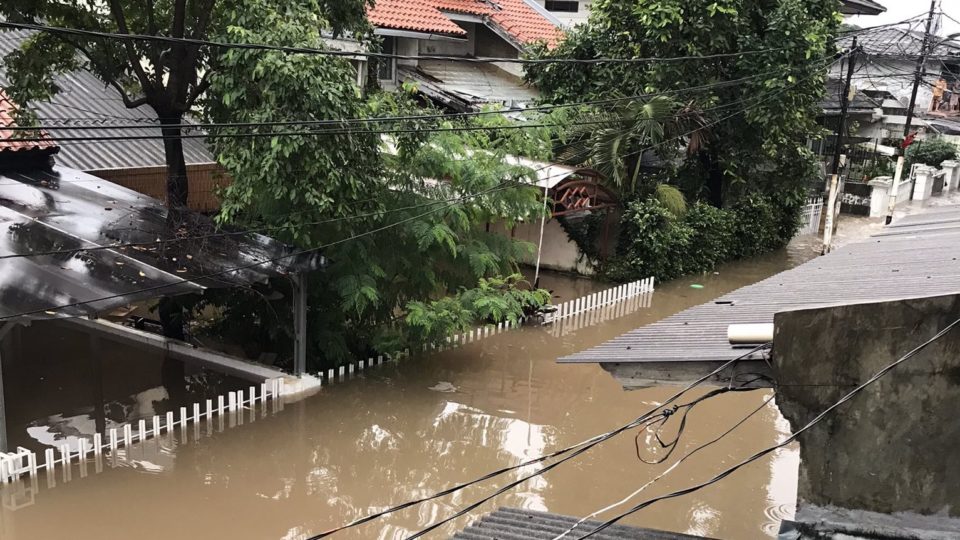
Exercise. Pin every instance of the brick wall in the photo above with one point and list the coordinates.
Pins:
(204, 180)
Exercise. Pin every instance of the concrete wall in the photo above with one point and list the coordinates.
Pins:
(453, 48)
(893, 447)
(559, 252)
(572, 19)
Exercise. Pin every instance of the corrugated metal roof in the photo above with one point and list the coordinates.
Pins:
(916, 256)
(65, 211)
(516, 524)
(83, 96)
(468, 87)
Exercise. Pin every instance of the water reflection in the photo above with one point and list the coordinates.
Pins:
(405, 431)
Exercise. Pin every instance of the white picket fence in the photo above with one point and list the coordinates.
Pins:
(24, 462)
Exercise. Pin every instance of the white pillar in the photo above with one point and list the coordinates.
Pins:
(923, 189)
(879, 195)
(952, 168)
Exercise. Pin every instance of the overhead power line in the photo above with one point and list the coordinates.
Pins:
(794, 436)
(363, 54)
(570, 452)
(375, 231)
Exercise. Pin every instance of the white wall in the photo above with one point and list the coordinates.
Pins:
(572, 19)
(559, 252)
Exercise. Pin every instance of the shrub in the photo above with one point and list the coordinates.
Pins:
(931, 152)
(653, 242)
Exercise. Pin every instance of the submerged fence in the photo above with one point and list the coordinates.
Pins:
(812, 212)
(24, 463)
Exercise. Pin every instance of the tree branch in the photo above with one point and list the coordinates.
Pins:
(117, 11)
(154, 48)
(128, 102)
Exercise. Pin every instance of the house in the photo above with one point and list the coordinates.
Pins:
(138, 164)
(461, 28)
(574, 12)
(886, 73)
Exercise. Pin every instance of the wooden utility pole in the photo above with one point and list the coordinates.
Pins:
(838, 148)
(917, 79)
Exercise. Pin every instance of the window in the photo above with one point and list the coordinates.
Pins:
(385, 66)
(565, 6)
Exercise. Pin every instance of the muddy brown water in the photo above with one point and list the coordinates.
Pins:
(403, 431)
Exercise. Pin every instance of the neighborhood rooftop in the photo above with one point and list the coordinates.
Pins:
(84, 100)
(523, 21)
(915, 257)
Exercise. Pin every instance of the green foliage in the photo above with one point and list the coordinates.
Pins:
(172, 78)
(761, 149)
(931, 152)
(672, 199)
(493, 301)
(654, 243)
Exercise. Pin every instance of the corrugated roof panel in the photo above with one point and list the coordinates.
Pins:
(917, 256)
(84, 96)
(517, 524)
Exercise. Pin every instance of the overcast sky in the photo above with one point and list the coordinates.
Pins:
(898, 10)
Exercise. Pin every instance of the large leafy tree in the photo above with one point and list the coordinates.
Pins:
(759, 126)
(169, 77)
(405, 219)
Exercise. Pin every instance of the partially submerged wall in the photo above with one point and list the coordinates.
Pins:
(895, 446)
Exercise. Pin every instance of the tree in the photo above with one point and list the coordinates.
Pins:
(758, 126)
(169, 77)
(931, 152)
(405, 223)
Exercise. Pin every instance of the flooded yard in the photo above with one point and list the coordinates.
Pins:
(402, 431)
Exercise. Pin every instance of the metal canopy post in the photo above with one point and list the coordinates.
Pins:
(4, 330)
(543, 224)
(299, 324)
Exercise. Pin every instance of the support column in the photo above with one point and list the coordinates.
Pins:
(951, 168)
(4, 445)
(923, 188)
(299, 324)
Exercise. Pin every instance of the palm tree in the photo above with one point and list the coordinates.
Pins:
(633, 133)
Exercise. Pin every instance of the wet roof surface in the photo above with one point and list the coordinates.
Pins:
(916, 256)
(516, 524)
(65, 210)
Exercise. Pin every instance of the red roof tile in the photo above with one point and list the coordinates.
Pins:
(515, 17)
(8, 137)
(416, 15)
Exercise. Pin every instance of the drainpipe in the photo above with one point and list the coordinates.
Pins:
(543, 224)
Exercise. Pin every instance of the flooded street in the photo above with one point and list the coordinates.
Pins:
(403, 431)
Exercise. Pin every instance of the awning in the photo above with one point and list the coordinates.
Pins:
(79, 217)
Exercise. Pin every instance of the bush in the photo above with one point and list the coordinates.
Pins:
(932, 152)
(653, 242)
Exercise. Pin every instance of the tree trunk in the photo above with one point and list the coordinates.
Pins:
(177, 184)
(714, 178)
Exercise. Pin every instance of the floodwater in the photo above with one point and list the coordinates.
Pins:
(402, 431)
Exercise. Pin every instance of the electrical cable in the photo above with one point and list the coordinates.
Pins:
(669, 469)
(341, 122)
(575, 449)
(364, 54)
(52, 309)
(794, 436)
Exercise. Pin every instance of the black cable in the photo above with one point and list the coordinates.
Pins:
(469, 114)
(577, 449)
(785, 442)
(52, 309)
(378, 55)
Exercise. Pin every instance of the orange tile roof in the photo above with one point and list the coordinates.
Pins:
(8, 137)
(416, 15)
(515, 17)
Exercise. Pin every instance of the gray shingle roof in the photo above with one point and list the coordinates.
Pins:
(85, 96)
(860, 103)
(897, 41)
(516, 524)
(917, 256)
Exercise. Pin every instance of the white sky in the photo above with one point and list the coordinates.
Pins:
(898, 10)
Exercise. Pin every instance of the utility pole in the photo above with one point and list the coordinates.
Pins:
(838, 148)
(917, 79)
